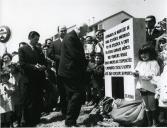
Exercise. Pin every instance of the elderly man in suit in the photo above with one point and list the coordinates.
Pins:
(33, 62)
(55, 51)
(72, 70)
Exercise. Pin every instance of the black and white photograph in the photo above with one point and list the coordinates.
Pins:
(83, 63)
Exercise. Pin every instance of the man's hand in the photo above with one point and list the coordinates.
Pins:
(40, 67)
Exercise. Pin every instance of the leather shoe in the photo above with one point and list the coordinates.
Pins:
(72, 125)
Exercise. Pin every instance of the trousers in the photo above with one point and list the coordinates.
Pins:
(75, 96)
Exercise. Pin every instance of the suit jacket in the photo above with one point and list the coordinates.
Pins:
(155, 34)
(28, 58)
(55, 52)
(72, 61)
(1, 61)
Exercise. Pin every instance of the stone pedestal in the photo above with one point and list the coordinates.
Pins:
(121, 45)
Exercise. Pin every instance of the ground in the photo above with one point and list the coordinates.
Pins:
(54, 119)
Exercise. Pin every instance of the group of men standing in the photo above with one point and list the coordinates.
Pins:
(70, 63)
(68, 53)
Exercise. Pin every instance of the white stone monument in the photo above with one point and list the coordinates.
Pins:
(121, 45)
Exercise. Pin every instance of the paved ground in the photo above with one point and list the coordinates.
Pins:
(54, 119)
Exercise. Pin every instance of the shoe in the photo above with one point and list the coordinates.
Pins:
(76, 125)
(63, 117)
(72, 125)
(15, 124)
(154, 124)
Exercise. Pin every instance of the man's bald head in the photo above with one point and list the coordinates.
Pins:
(62, 31)
(82, 29)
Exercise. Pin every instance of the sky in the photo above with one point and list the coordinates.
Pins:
(44, 16)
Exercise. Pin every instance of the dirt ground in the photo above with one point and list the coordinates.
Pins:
(54, 119)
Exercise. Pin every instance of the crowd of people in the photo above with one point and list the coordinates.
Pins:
(150, 66)
(62, 75)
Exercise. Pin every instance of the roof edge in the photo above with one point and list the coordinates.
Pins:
(112, 16)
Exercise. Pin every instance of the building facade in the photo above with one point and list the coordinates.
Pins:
(108, 22)
(105, 24)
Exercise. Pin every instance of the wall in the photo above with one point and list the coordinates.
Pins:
(113, 21)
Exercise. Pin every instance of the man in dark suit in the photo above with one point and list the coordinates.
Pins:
(0, 66)
(151, 32)
(55, 51)
(48, 44)
(72, 70)
(33, 62)
(1, 62)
